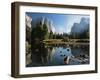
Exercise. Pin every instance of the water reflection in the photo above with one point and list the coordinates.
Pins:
(50, 55)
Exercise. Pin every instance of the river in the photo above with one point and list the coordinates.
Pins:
(46, 55)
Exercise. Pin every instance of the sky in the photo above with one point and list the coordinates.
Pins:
(62, 22)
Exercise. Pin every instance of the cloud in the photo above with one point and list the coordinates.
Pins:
(60, 29)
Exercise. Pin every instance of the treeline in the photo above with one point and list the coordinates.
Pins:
(82, 35)
(40, 31)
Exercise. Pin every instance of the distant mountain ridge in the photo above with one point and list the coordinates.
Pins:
(79, 28)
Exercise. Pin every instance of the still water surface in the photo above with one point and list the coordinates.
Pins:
(59, 55)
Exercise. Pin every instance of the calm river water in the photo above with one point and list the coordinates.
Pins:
(59, 55)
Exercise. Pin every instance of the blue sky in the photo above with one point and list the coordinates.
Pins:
(62, 22)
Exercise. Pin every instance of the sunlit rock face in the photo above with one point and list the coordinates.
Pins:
(28, 20)
(44, 20)
(78, 28)
(50, 24)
